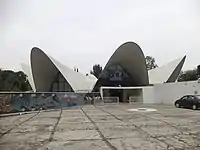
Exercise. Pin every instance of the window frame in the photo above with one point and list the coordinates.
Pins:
(182, 99)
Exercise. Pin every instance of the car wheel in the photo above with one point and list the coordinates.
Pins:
(177, 105)
(194, 107)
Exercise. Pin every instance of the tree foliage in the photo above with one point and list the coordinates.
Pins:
(150, 62)
(96, 70)
(189, 75)
(13, 81)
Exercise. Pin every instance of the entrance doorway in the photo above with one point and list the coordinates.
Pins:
(117, 93)
(133, 95)
(125, 94)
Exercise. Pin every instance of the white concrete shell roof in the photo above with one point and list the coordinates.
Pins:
(44, 68)
(130, 56)
(166, 73)
(28, 72)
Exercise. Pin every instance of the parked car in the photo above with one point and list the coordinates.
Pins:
(189, 101)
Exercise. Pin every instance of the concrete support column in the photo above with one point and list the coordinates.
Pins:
(124, 95)
(101, 92)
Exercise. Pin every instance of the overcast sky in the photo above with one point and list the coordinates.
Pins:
(84, 32)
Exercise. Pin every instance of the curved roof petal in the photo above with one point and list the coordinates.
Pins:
(166, 73)
(44, 69)
(130, 56)
(77, 80)
(173, 77)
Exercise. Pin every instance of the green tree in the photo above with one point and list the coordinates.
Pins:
(13, 81)
(96, 70)
(189, 75)
(150, 62)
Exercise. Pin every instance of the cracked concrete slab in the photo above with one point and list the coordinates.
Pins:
(122, 133)
(160, 130)
(64, 126)
(74, 119)
(103, 118)
(76, 135)
(138, 144)
(25, 128)
(25, 141)
(9, 122)
(76, 145)
(103, 127)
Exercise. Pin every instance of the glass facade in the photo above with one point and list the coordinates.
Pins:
(60, 84)
(115, 75)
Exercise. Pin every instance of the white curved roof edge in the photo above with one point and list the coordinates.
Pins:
(174, 76)
(27, 70)
(130, 56)
(163, 73)
(91, 76)
(77, 80)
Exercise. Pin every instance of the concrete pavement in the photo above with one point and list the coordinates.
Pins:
(102, 128)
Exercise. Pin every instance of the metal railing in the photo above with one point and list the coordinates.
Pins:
(134, 99)
(111, 100)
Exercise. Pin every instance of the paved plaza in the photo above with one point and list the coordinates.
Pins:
(103, 127)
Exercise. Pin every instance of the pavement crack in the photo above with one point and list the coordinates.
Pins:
(123, 145)
(109, 113)
(19, 124)
(55, 126)
(99, 132)
(138, 128)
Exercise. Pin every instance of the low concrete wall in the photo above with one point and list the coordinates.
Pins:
(148, 95)
(168, 93)
(18, 102)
